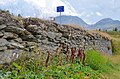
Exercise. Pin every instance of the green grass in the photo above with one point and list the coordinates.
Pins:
(115, 41)
(116, 46)
(116, 55)
(114, 34)
(115, 59)
(97, 61)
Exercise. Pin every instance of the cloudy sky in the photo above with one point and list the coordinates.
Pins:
(90, 11)
(94, 10)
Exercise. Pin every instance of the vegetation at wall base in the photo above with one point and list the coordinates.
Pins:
(57, 68)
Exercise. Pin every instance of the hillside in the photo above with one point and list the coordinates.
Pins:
(71, 20)
(103, 24)
(107, 24)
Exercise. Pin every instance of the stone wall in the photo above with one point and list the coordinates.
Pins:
(18, 35)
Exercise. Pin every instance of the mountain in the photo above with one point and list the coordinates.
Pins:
(71, 20)
(106, 24)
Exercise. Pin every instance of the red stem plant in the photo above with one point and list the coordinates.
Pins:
(62, 47)
(73, 50)
(47, 60)
(67, 53)
(80, 55)
(83, 57)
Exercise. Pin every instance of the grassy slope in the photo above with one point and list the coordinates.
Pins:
(115, 36)
(115, 74)
(115, 41)
(116, 57)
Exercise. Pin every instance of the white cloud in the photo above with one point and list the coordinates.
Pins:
(88, 15)
(99, 14)
(38, 3)
(2, 2)
(48, 7)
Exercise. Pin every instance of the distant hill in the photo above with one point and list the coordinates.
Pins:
(71, 20)
(106, 24)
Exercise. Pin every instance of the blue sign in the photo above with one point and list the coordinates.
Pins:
(60, 9)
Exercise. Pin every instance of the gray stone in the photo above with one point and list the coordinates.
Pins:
(31, 44)
(3, 48)
(58, 35)
(9, 35)
(11, 24)
(1, 34)
(3, 42)
(2, 20)
(28, 38)
(19, 40)
(45, 41)
(51, 35)
(32, 28)
(2, 26)
(17, 45)
(8, 56)
(11, 47)
(14, 29)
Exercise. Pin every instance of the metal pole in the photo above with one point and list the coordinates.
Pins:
(60, 18)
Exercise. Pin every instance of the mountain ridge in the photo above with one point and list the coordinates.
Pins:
(107, 24)
(71, 20)
(103, 24)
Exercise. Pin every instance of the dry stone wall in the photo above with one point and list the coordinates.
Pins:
(18, 35)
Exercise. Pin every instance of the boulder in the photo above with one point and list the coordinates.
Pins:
(8, 56)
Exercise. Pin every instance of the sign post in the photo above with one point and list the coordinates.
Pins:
(60, 9)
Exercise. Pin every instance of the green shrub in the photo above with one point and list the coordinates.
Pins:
(96, 61)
